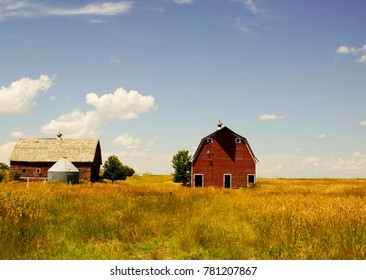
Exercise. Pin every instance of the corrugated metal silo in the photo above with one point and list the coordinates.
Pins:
(63, 171)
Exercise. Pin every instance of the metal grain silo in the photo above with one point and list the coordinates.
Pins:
(63, 171)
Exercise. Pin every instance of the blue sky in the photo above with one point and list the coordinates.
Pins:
(149, 78)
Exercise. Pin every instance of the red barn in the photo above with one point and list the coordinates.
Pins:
(223, 158)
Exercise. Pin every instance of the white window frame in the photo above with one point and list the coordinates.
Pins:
(231, 180)
(237, 140)
(209, 140)
(255, 179)
(194, 179)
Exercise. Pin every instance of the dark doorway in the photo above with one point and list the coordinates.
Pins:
(198, 180)
(251, 179)
(227, 181)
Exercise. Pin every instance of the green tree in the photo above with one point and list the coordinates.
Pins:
(115, 170)
(3, 167)
(182, 169)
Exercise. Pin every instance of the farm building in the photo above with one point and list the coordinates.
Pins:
(33, 157)
(63, 171)
(223, 158)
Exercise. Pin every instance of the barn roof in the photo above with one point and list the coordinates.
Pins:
(220, 131)
(52, 149)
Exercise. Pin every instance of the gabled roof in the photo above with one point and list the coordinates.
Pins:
(223, 129)
(63, 165)
(52, 149)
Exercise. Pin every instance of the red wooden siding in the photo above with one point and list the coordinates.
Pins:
(88, 171)
(224, 156)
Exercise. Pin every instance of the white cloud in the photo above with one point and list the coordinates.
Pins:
(103, 9)
(268, 117)
(5, 152)
(115, 60)
(27, 9)
(138, 153)
(346, 50)
(252, 6)
(180, 2)
(147, 161)
(353, 50)
(363, 122)
(75, 124)
(20, 96)
(125, 140)
(17, 134)
(357, 162)
(321, 136)
(362, 58)
(118, 105)
(313, 166)
(312, 160)
(96, 21)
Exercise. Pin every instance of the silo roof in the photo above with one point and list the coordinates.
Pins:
(63, 165)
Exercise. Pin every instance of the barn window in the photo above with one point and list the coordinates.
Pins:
(38, 170)
(209, 140)
(251, 178)
(237, 140)
(24, 170)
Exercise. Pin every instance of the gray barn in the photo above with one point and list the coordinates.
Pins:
(63, 171)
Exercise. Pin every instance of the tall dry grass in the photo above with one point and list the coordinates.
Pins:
(152, 218)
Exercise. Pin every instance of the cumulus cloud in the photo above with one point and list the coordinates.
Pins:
(125, 140)
(354, 50)
(139, 152)
(356, 162)
(20, 96)
(362, 58)
(147, 161)
(120, 104)
(5, 151)
(311, 160)
(117, 105)
(13, 8)
(268, 117)
(17, 134)
(312, 166)
(75, 124)
(346, 50)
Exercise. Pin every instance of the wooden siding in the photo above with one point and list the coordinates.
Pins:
(224, 156)
(88, 171)
(30, 155)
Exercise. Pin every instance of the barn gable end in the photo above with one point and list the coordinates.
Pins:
(223, 158)
(33, 157)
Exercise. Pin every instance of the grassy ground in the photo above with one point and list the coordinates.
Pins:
(149, 217)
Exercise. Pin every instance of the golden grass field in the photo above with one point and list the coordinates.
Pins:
(149, 217)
